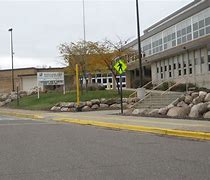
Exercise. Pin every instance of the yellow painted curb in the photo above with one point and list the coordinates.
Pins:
(160, 131)
(32, 116)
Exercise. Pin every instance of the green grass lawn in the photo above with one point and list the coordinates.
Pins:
(49, 99)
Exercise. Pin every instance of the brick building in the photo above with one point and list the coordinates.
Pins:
(25, 77)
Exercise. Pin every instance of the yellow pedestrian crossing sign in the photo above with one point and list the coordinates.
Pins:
(120, 66)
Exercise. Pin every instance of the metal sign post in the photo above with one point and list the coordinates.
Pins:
(120, 67)
(121, 94)
(77, 80)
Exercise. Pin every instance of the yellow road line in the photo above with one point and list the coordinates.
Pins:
(161, 131)
(120, 118)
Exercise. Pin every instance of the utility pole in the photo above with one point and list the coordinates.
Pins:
(139, 45)
(13, 82)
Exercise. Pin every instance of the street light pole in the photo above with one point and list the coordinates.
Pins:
(13, 82)
(139, 45)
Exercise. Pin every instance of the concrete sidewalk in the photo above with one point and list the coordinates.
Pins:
(177, 127)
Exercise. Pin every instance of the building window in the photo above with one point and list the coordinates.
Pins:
(110, 80)
(190, 70)
(99, 81)
(174, 66)
(179, 65)
(209, 60)
(185, 71)
(202, 60)
(93, 81)
(169, 67)
(161, 76)
(104, 80)
(165, 68)
(208, 30)
(169, 74)
(137, 72)
(161, 69)
(157, 69)
(180, 72)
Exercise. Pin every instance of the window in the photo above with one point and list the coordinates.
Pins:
(104, 80)
(98, 75)
(201, 23)
(174, 66)
(180, 72)
(209, 56)
(173, 43)
(110, 80)
(179, 65)
(195, 34)
(161, 76)
(123, 79)
(179, 41)
(185, 71)
(98, 80)
(190, 70)
(169, 74)
(189, 37)
(209, 67)
(161, 69)
(207, 21)
(202, 60)
(93, 81)
(201, 32)
(188, 29)
(184, 39)
(195, 26)
(208, 30)
(165, 68)
(157, 69)
(169, 67)
(137, 72)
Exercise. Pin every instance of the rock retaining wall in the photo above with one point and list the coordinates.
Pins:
(191, 105)
(94, 104)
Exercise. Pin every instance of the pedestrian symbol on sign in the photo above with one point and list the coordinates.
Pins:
(120, 67)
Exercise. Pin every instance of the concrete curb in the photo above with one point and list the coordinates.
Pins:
(161, 131)
(21, 115)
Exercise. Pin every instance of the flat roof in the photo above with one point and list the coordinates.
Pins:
(31, 68)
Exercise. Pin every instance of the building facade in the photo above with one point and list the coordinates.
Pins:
(177, 48)
(25, 78)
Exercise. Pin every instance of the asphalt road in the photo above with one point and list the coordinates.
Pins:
(32, 150)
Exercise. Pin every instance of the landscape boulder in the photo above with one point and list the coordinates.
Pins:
(104, 106)
(115, 106)
(178, 112)
(194, 95)
(139, 111)
(188, 99)
(86, 108)
(207, 115)
(198, 109)
(198, 100)
(153, 112)
(182, 104)
(95, 106)
(207, 98)
(163, 111)
(95, 101)
(202, 93)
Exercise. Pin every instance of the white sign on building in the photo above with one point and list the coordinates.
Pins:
(50, 78)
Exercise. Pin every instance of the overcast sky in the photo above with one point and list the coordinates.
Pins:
(40, 26)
